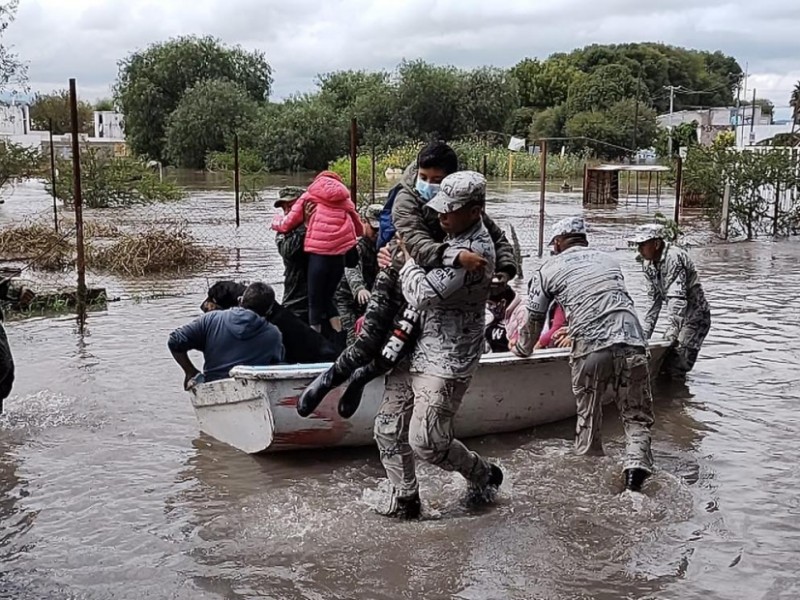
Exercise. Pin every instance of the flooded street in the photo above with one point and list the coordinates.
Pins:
(107, 489)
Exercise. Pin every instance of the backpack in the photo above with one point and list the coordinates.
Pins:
(386, 228)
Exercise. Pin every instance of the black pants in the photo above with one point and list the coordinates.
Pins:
(324, 275)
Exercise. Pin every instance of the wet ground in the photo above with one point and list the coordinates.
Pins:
(107, 490)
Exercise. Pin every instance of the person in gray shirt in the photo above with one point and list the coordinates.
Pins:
(609, 347)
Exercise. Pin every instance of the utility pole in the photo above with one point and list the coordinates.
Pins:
(636, 111)
(752, 116)
(671, 108)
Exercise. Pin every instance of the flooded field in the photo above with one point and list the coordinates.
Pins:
(107, 490)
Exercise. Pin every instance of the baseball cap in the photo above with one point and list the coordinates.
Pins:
(458, 190)
(567, 226)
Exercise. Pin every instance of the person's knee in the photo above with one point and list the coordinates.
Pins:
(429, 442)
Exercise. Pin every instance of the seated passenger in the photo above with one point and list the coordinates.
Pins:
(301, 344)
(229, 338)
(502, 303)
(555, 334)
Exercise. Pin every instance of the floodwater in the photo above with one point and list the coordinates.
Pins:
(107, 490)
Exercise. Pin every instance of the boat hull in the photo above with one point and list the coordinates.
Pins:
(255, 410)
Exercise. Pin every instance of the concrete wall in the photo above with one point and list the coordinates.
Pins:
(108, 124)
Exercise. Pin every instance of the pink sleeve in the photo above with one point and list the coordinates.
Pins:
(285, 223)
(559, 319)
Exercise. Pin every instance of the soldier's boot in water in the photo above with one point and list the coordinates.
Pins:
(404, 507)
(351, 398)
(317, 390)
(634, 479)
(483, 494)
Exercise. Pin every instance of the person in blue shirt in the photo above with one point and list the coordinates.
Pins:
(229, 338)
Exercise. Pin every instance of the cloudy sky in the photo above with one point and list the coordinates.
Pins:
(301, 38)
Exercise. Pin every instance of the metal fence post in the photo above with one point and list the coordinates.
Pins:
(236, 174)
(53, 177)
(678, 187)
(726, 209)
(354, 161)
(543, 154)
(78, 200)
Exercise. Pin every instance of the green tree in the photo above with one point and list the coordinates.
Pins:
(205, 120)
(105, 104)
(604, 87)
(794, 102)
(55, 106)
(683, 135)
(544, 84)
(18, 163)
(152, 82)
(13, 72)
(550, 123)
(489, 97)
(596, 132)
(621, 116)
(428, 99)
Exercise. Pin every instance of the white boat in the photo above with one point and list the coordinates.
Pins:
(255, 410)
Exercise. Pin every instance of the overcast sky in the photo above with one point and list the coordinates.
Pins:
(301, 38)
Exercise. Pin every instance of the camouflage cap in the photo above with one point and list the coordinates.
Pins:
(567, 226)
(289, 193)
(458, 190)
(645, 233)
(372, 214)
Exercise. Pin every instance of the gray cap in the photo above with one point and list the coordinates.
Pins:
(372, 214)
(567, 226)
(290, 193)
(458, 190)
(645, 233)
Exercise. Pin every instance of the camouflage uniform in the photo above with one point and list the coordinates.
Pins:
(295, 261)
(358, 278)
(423, 393)
(673, 279)
(424, 239)
(609, 354)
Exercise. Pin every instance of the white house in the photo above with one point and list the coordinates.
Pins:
(109, 125)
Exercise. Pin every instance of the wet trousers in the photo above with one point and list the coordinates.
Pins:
(622, 373)
(416, 419)
(682, 356)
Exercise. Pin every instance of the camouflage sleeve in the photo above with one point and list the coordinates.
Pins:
(505, 259)
(425, 290)
(410, 224)
(355, 279)
(290, 245)
(539, 300)
(653, 309)
(677, 296)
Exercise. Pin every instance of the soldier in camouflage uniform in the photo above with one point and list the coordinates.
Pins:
(609, 348)
(424, 239)
(295, 260)
(423, 394)
(672, 278)
(355, 288)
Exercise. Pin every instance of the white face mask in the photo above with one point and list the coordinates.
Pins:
(427, 190)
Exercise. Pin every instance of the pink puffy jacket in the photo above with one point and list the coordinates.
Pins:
(335, 226)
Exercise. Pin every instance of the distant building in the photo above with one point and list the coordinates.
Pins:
(713, 121)
(108, 124)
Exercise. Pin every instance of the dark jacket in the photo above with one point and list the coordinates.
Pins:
(229, 338)
(302, 344)
(424, 237)
(295, 274)
(360, 277)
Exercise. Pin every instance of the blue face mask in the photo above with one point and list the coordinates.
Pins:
(427, 190)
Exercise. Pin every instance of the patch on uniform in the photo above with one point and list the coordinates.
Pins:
(441, 280)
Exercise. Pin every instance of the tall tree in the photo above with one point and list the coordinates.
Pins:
(13, 72)
(55, 106)
(428, 99)
(488, 99)
(544, 84)
(152, 82)
(205, 120)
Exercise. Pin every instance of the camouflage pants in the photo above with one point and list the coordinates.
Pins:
(622, 372)
(416, 418)
(349, 314)
(383, 306)
(682, 356)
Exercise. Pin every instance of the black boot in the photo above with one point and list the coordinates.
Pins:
(634, 478)
(481, 495)
(406, 508)
(317, 390)
(351, 398)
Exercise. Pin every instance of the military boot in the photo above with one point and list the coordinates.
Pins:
(634, 478)
(317, 390)
(483, 494)
(351, 398)
(405, 508)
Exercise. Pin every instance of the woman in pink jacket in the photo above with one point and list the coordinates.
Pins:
(332, 229)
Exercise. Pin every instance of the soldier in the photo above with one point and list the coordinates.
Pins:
(355, 288)
(386, 310)
(423, 394)
(295, 260)
(672, 278)
(609, 350)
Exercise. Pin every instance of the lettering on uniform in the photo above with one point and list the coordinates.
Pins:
(441, 279)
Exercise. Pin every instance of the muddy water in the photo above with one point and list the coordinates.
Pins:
(108, 491)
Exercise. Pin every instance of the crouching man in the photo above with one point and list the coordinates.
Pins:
(424, 394)
(609, 351)
(240, 336)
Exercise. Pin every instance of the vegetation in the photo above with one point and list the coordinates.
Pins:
(55, 107)
(18, 163)
(756, 179)
(112, 182)
(105, 104)
(13, 72)
(154, 251)
(152, 83)
(39, 245)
